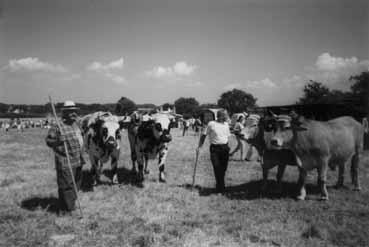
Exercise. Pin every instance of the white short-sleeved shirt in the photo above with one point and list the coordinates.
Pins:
(218, 132)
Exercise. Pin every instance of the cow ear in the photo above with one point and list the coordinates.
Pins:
(297, 126)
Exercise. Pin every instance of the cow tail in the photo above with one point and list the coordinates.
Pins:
(366, 133)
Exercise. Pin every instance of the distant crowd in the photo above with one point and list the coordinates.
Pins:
(22, 124)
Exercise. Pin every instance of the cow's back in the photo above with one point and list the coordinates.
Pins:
(337, 139)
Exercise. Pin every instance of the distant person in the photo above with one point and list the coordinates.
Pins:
(185, 127)
(197, 125)
(71, 134)
(218, 132)
(238, 127)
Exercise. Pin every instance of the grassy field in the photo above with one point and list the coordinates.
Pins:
(172, 214)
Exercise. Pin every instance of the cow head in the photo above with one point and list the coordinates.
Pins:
(285, 128)
(251, 127)
(109, 132)
(161, 127)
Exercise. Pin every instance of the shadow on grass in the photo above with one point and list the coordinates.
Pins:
(252, 190)
(51, 204)
(125, 176)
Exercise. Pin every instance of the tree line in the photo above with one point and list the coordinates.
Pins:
(235, 100)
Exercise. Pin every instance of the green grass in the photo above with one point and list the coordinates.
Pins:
(172, 214)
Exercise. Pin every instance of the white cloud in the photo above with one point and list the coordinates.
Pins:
(116, 78)
(113, 65)
(332, 71)
(160, 72)
(336, 71)
(182, 68)
(327, 62)
(264, 83)
(179, 69)
(109, 70)
(31, 64)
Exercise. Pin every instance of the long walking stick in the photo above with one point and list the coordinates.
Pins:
(194, 169)
(67, 154)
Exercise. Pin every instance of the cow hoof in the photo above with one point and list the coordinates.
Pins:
(356, 188)
(300, 198)
(140, 178)
(115, 179)
(324, 198)
(162, 178)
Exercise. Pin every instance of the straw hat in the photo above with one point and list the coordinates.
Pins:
(69, 105)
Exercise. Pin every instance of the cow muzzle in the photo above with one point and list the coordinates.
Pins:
(166, 138)
(276, 143)
(111, 143)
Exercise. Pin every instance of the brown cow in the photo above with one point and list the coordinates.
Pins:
(255, 134)
(319, 145)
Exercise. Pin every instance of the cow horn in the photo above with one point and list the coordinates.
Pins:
(272, 113)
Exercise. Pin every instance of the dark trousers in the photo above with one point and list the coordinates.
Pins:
(219, 155)
(66, 192)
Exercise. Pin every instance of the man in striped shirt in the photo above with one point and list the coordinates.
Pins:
(71, 134)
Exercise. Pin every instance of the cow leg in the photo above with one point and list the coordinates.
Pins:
(301, 184)
(140, 163)
(265, 178)
(280, 172)
(354, 172)
(162, 157)
(114, 169)
(146, 171)
(341, 175)
(322, 178)
(133, 159)
(93, 169)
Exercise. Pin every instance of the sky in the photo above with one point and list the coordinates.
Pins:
(155, 51)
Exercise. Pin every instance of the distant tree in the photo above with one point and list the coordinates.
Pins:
(209, 105)
(360, 92)
(314, 92)
(236, 101)
(186, 105)
(166, 106)
(146, 105)
(3, 108)
(125, 106)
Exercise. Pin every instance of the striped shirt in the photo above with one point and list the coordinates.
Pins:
(71, 134)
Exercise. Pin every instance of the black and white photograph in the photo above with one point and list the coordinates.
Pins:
(194, 123)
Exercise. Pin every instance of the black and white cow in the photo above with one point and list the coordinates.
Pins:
(102, 142)
(148, 139)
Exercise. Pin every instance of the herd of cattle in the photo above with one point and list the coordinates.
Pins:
(148, 138)
(280, 140)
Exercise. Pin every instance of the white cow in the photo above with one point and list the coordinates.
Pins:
(102, 142)
(149, 139)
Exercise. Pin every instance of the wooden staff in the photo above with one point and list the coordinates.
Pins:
(194, 169)
(67, 154)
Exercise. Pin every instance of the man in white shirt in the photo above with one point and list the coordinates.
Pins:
(218, 132)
